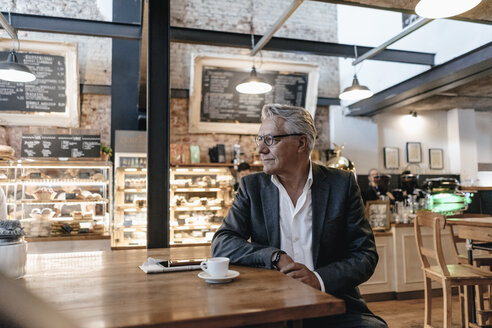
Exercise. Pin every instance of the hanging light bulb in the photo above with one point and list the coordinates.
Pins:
(253, 85)
(356, 91)
(444, 8)
(11, 70)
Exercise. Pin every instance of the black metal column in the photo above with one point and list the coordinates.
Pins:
(158, 109)
(125, 70)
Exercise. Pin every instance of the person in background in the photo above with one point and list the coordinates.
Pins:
(303, 219)
(243, 170)
(373, 193)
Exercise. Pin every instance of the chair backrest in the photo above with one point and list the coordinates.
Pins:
(454, 237)
(435, 221)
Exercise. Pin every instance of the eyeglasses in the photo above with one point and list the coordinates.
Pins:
(268, 139)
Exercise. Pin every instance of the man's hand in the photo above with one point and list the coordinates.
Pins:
(301, 273)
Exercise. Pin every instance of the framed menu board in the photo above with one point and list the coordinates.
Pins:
(53, 98)
(60, 145)
(216, 106)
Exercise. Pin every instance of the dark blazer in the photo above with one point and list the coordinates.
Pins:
(344, 251)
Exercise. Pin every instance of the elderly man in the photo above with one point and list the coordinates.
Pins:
(303, 219)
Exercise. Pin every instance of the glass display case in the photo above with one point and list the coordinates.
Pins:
(8, 185)
(59, 198)
(200, 197)
(129, 227)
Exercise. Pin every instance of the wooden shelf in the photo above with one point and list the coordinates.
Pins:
(87, 236)
(475, 188)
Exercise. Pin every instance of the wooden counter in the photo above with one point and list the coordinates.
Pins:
(107, 289)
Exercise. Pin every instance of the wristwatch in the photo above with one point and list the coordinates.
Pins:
(276, 258)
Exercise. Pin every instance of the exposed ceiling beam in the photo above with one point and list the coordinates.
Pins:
(239, 40)
(479, 14)
(49, 24)
(459, 71)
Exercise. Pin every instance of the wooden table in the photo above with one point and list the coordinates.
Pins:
(477, 229)
(474, 230)
(107, 289)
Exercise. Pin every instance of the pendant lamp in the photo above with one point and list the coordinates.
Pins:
(253, 85)
(356, 91)
(11, 70)
(444, 8)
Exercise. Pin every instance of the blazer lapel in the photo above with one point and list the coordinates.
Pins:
(320, 193)
(270, 199)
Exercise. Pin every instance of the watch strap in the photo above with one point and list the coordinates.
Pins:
(276, 258)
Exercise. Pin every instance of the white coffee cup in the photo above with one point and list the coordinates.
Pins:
(216, 267)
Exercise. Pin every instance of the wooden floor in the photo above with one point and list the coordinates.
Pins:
(410, 313)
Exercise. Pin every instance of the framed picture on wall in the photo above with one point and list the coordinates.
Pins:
(217, 107)
(414, 152)
(391, 157)
(436, 159)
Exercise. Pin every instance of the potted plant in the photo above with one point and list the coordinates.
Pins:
(106, 152)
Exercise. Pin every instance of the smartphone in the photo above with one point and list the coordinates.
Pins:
(174, 263)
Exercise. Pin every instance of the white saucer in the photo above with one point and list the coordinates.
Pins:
(231, 274)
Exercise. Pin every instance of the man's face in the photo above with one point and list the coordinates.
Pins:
(371, 176)
(282, 156)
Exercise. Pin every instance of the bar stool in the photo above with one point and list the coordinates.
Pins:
(448, 275)
(482, 260)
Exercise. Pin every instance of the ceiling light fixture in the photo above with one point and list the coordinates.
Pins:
(413, 113)
(444, 8)
(356, 91)
(11, 70)
(253, 85)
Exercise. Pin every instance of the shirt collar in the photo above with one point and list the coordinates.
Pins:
(309, 181)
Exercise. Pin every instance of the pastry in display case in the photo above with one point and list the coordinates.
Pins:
(129, 227)
(200, 198)
(62, 198)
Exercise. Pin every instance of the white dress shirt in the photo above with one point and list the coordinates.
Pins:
(296, 224)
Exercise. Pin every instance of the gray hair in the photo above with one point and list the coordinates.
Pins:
(297, 120)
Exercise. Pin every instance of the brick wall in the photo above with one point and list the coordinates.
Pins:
(94, 56)
(312, 21)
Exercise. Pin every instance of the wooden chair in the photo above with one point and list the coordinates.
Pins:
(449, 275)
(482, 260)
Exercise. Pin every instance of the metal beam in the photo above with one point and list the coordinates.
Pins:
(324, 101)
(96, 89)
(454, 73)
(278, 24)
(75, 26)
(158, 118)
(239, 40)
(411, 11)
(406, 31)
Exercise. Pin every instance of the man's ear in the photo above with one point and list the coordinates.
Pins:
(303, 143)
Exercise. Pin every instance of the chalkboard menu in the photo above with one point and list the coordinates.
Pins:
(60, 145)
(222, 103)
(45, 94)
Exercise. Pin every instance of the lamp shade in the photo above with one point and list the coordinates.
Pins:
(253, 85)
(356, 91)
(11, 70)
(444, 8)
